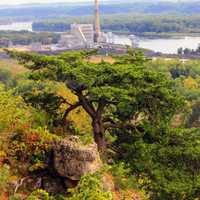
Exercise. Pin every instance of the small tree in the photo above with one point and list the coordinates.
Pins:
(180, 51)
(116, 96)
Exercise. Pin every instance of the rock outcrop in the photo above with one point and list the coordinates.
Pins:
(72, 160)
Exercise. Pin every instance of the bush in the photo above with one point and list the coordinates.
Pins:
(90, 187)
(39, 195)
(4, 176)
(167, 167)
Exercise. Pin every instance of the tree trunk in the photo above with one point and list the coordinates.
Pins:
(98, 131)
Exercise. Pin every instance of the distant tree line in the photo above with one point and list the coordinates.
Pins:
(26, 38)
(51, 27)
(188, 51)
(129, 23)
(50, 11)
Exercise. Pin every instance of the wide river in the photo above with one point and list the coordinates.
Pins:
(17, 26)
(163, 45)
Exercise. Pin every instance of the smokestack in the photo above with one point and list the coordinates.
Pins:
(97, 22)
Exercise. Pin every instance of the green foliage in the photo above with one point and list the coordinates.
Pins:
(137, 113)
(132, 23)
(39, 195)
(90, 187)
(27, 37)
(4, 177)
(42, 96)
(6, 78)
(15, 197)
(32, 146)
(14, 112)
(169, 167)
(142, 94)
(123, 178)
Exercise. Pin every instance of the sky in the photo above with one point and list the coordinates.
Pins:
(13, 2)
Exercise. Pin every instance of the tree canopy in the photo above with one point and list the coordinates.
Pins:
(122, 95)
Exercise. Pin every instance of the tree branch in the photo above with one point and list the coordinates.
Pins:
(89, 108)
(19, 184)
(100, 108)
(71, 108)
(65, 101)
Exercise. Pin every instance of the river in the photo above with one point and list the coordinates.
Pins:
(163, 45)
(18, 26)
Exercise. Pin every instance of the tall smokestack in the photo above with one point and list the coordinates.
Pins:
(97, 22)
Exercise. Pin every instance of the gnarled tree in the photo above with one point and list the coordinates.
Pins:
(122, 95)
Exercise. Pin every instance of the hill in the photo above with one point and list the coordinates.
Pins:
(45, 11)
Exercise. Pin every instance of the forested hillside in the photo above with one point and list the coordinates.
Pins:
(45, 11)
(128, 23)
(74, 129)
(27, 38)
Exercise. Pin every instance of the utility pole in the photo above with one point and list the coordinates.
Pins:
(97, 22)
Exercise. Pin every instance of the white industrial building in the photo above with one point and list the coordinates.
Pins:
(88, 35)
(80, 36)
(84, 32)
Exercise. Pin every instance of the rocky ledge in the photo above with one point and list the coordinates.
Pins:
(73, 160)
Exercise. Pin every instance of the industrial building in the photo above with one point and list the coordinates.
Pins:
(84, 35)
(87, 35)
(80, 36)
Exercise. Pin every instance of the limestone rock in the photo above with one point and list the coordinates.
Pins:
(73, 160)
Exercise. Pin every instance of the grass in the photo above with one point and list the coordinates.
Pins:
(98, 59)
(12, 66)
(15, 68)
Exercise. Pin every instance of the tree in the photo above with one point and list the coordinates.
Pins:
(116, 96)
(187, 51)
(180, 51)
(166, 163)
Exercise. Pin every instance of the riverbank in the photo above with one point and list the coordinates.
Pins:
(166, 43)
(154, 35)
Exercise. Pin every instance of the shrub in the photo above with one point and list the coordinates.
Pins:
(90, 187)
(4, 177)
(39, 195)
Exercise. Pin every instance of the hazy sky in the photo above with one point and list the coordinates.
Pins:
(11, 2)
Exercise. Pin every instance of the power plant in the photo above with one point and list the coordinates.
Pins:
(82, 36)
(97, 22)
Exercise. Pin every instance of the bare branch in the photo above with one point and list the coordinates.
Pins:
(19, 184)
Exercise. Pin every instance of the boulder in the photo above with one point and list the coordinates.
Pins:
(72, 160)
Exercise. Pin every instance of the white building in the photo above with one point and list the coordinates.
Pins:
(80, 36)
(84, 33)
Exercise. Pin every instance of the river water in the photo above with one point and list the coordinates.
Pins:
(19, 26)
(163, 45)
